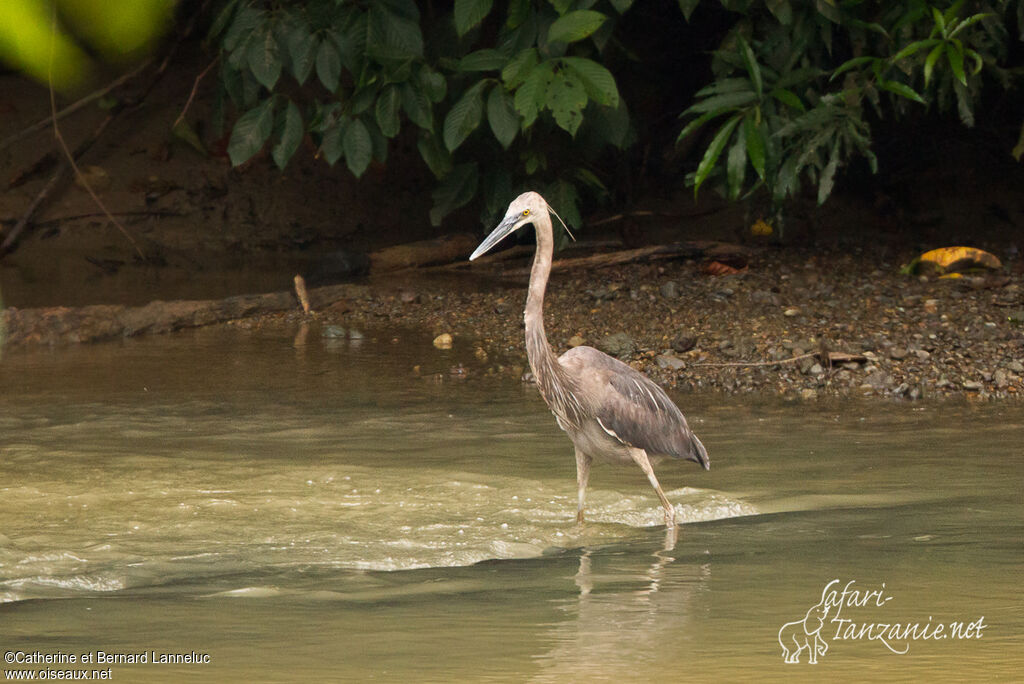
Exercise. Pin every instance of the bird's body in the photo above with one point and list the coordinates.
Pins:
(611, 412)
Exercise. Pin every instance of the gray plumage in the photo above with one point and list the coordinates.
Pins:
(610, 411)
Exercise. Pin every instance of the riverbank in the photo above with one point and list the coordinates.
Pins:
(766, 330)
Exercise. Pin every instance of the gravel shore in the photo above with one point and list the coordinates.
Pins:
(766, 330)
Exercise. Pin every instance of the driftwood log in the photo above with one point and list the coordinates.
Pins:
(63, 325)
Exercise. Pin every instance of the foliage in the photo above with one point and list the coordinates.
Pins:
(792, 81)
(501, 96)
(355, 75)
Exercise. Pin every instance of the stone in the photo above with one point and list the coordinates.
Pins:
(576, 341)
(791, 312)
(898, 353)
(443, 341)
(973, 386)
(670, 289)
(668, 362)
(683, 343)
(619, 345)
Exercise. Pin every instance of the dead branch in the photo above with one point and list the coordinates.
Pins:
(75, 106)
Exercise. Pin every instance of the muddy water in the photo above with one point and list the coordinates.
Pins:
(293, 508)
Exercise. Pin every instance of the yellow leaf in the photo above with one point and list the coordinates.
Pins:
(957, 259)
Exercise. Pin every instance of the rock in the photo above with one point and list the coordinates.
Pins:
(791, 312)
(1015, 366)
(576, 341)
(973, 386)
(670, 289)
(443, 341)
(931, 306)
(683, 343)
(806, 365)
(921, 355)
(334, 331)
(808, 393)
(480, 354)
(668, 362)
(816, 369)
(879, 379)
(1001, 379)
(898, 353)
(619, 345)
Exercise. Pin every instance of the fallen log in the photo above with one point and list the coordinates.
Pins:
(677, 250)
(95, 323)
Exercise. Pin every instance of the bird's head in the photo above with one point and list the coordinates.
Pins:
(524, 209)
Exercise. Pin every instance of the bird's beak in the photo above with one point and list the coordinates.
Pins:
(504, 229)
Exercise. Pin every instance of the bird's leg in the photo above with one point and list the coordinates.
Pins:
(582, 475)
(640, 458)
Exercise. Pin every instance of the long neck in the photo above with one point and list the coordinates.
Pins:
(555, 386)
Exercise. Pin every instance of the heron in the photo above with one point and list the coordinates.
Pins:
(610, 411)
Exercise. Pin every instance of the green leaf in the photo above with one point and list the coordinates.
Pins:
(714, 151)
(597, 80)
(750, 62)
(417, 107)
(736, 166)
(575, 26)
(386, 111)
(901, 90)
(328, 65)
(929, 62)
(291, 136)
(566, 98)
(956, 62)
(358, 147)
(469, 13)
(850, 64)
(438, 160)
(517, 12)
(621, 6)
(331, 146)
(302, 48)
(914, 48)
(754, 136)
(482, 60)
(184, 131)
(788, 98)
(223, 18)
(250, 132)
(687, 7)
(501, 114)
(725, 101)
(264, 62)
(432, 84)
(697, 123)
(456, 190)
(531, 95)
(828, 174)
(464, 116)
(519, 67)
(390, 35)
(781, 10)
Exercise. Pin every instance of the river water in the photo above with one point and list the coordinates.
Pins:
(287, 508)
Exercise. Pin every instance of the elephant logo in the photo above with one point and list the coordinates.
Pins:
(805, 635)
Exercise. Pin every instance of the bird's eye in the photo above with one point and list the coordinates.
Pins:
(526, 212)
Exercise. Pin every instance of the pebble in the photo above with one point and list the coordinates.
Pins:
(443, 341)
(791, 312)
(683, 343)
(667, 362)
(576, 341)
(619, 345)
(670, 289)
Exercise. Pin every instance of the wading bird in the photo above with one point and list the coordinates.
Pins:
(610, 411)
